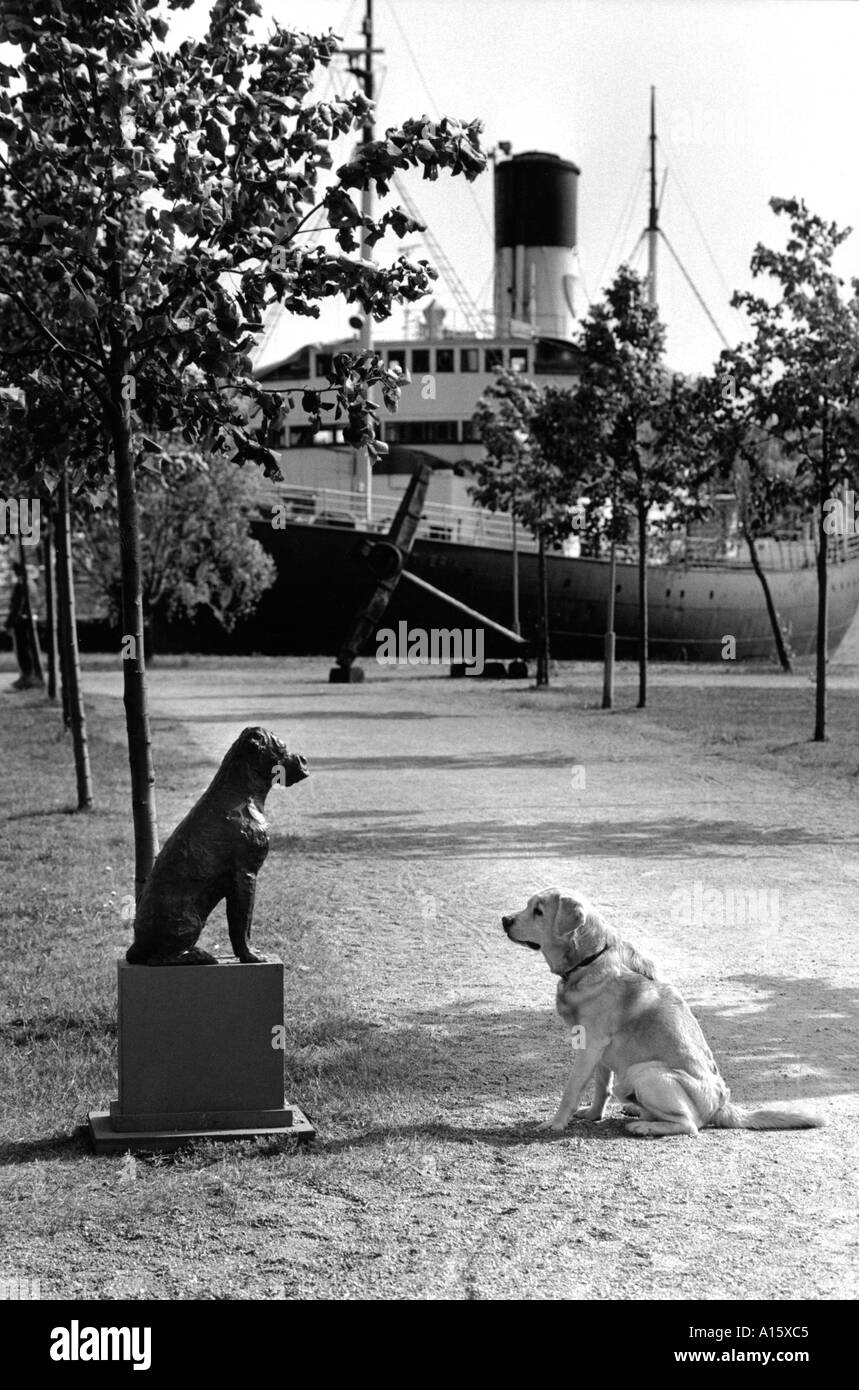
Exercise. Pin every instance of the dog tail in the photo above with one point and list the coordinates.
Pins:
(730, 1116)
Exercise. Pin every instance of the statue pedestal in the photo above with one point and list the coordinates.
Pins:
(200, 1057)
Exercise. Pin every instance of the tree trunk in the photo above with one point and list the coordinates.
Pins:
(32, 633)
(50, 602)
(822, 591)
(63, 639)
(642, 603)
(609, 641)
(133, 662)
(516, 626)
(768, 599)
(71, 664)
(543, 619)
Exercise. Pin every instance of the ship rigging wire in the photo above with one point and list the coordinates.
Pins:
(681, 184)
(626, 216)
(583, 280)
(433, 104)
(694, 288)
(631, 260)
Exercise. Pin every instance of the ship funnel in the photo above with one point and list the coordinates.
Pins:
(535, 241)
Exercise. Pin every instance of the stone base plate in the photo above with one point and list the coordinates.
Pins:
(201, 1119)
(107, 1140)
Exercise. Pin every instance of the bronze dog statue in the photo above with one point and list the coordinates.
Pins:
(215, 852)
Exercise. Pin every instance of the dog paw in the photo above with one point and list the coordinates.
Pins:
(251, 958)
(551, 1127)
(642, 1128)
(590, 1114)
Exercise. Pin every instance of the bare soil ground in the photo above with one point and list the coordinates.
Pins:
(424, 1045)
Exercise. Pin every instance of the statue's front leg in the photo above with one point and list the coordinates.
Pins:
(240, 914)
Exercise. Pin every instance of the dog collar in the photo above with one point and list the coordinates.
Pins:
(580, 965)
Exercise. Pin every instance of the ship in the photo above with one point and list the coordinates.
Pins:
(704, 597)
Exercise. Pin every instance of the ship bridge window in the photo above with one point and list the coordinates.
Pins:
(443, 431)
(397, 358)
(421, 431)
(444, 360)
(518, 359)
(469, 360)
(303, 437)
(323, 363)
(493, 359)
(470, 432)
(556, 357)
(420, 359)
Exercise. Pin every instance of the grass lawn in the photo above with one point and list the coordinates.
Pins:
(424, 1047)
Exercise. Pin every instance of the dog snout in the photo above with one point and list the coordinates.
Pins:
(507, 923)
(301, 764)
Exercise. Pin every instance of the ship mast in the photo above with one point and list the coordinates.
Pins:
(369, 84)
(361, 67)
(653, 219)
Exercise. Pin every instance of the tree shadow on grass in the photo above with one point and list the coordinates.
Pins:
(668, 837)
(62, 1145)
(53, 1028)
(321, 685)
(802, 1038)
(520, 1057)
(453, 762)
(252, 715)
(512, 1135)
(798, 1040)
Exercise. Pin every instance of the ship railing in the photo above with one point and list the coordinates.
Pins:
(780, 553)
(440, 521)
(456, 525)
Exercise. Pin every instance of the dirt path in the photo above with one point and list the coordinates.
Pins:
(433, 807)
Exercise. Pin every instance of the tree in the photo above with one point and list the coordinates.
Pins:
(750, 462)
(34, 442)
(72, 692)
(522, 473)
(611, 428)
(159, 198)
(799, 377)
(51, 616)
(197, 551)
(582, 425)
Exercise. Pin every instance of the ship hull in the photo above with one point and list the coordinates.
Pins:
(693, 612)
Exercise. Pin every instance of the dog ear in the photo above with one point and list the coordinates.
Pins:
(260, 740)
(570, 917)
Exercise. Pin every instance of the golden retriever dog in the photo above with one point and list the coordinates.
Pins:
(630, 1025)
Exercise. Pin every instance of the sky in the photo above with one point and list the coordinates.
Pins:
(755, 98)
